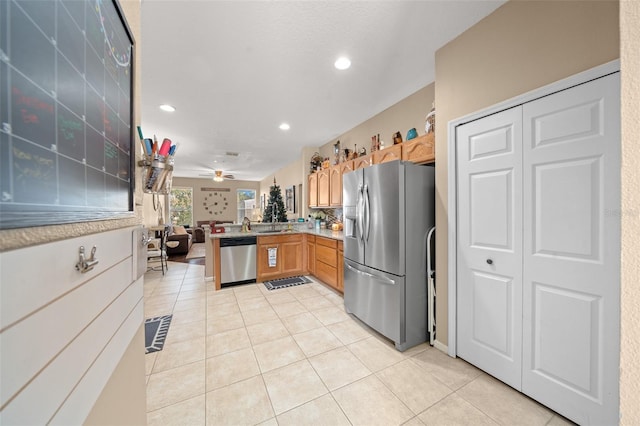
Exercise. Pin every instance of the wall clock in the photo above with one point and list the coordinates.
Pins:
(216, 203)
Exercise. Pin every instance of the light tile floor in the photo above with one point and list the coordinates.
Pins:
(247, 355)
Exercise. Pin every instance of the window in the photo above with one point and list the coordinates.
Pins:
(181, 206)
(247, 205)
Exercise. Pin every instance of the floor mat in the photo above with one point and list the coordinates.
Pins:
(155, 332)
(286, 282)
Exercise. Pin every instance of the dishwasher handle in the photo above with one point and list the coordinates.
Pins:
(238, 241)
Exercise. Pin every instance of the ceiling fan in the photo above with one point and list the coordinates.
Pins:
(218, 176)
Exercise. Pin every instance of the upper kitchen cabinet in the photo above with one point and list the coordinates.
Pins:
(362, 162)
(391, 153)
(335, 186)
(420, 150)
(346, 167)
(313, 190)
(323, 188)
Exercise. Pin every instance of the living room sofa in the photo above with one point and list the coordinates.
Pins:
(184, 239)
(197, 233)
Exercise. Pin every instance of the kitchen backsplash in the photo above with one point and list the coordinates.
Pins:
(330, 215)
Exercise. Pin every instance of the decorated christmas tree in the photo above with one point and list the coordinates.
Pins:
(275, 205)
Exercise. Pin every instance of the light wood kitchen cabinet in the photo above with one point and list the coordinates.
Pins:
(362, 162)
(420, 150)
(335, 186)
(346, 167)
(313, 189)
(340, 267)
(288, 256)
(327, 261)
(311, 254)
(391, 153)
(323, 188)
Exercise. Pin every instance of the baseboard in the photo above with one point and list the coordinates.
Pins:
(441, 346)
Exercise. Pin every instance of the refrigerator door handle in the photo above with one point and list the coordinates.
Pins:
(366, 274)
(367, 212)
(359, 214)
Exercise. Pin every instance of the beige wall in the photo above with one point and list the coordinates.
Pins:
(523, 45)
(630, 293)
(199, 212)
(400, 117)
(115, 405)
(290, 175)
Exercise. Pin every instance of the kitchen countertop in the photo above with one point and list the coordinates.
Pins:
(327, 233)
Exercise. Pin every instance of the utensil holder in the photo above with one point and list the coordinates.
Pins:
(157, 175)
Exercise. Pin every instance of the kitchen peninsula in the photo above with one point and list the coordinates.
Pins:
(285, 251)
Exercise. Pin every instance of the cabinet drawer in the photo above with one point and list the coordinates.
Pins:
(327, 273)
(340, 246)
(276, 239)
(311, 238)
(327, 255)
(327, 242)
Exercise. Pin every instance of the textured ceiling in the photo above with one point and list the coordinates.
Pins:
(235, 70)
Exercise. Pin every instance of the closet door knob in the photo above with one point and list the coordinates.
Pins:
(489, 261)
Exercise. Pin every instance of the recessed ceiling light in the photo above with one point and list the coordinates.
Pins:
(167, 108)
(342, 63)
(285, 126)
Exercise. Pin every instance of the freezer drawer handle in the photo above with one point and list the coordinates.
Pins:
(378, 277)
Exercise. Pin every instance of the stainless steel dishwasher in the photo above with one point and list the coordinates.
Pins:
(237, 260)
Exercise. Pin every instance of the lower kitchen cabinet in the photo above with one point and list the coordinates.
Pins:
(340, 267)
(311, 254)
(288, 261)
(327, 261)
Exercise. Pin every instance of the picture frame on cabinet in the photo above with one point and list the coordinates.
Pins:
(290, 199)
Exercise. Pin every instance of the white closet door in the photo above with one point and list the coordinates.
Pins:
(571, 308)
(489, 157)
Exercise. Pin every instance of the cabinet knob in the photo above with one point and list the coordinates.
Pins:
(489, 261)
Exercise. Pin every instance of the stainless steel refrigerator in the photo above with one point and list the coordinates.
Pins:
(388, 211)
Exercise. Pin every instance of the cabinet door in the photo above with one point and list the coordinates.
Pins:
(391, 153)
(362, 162)
(313, 190)
(340, 285)
(291, 253)
(335, 182)
(323, 188)
(264, 270)
(311, 257)
(346, 167)
(420, 150)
